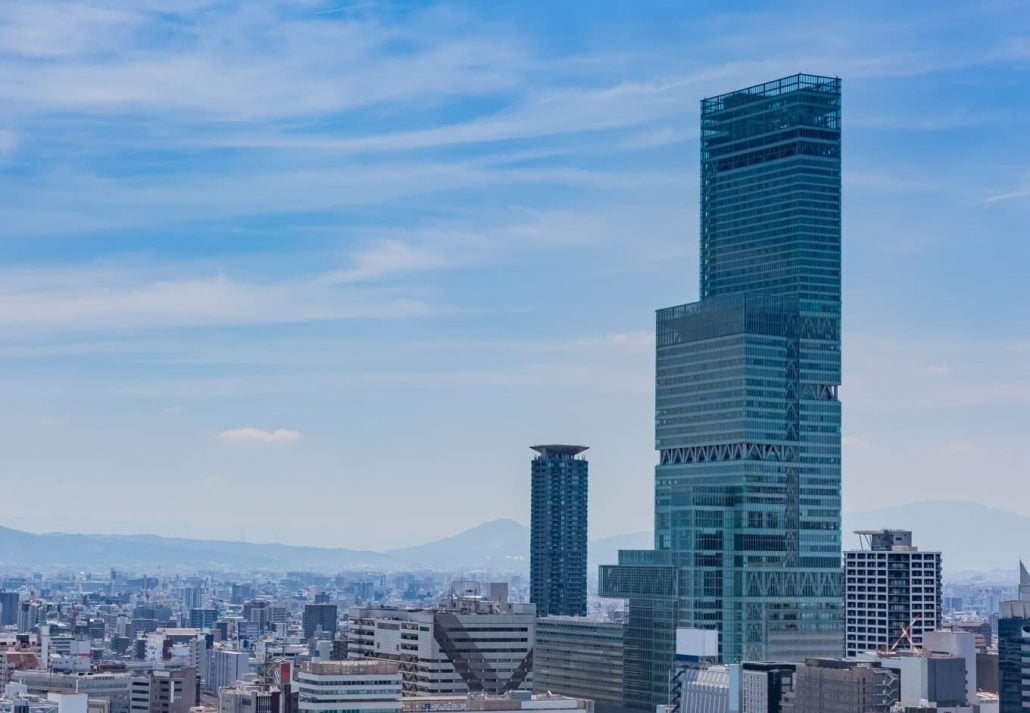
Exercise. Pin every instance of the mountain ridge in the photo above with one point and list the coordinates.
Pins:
(988, 541)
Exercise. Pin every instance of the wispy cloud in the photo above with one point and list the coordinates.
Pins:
(259, 435)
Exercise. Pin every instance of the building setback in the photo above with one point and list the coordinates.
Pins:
(747, 419)
(892, 593)
(579, 657)
(558, 531)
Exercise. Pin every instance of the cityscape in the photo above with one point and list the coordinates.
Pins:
(757, 587)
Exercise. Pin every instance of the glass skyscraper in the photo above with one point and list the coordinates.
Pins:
(747, 420)
(558, 531)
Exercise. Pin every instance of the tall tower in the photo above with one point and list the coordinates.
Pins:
(558, 531)
(747, 421)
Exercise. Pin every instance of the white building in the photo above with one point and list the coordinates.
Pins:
(465, 645)
(357, 686)
(892, 592)
(225, 668)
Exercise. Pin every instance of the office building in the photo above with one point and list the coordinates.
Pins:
(203, 618)
(250, 697)
(747, 490)
(225, 668)
(558, 531)
(364, 686)
(763, 686)
(465, 645)
(8, 608)
(579, 657)
(838, 686)
(107, 686)
(513, 701)
(892, 593)
(961, 645)
(1014, 656)
(164, 691)
(320, 617)
(706, 689)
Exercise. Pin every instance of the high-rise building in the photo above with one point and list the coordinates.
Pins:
(464, 645)
(558, 531)
(1014, 657)
(747, 490)
(892, 593)
(320, 617)
(579, 657)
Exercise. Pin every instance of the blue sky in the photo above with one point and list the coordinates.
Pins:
(320, 272)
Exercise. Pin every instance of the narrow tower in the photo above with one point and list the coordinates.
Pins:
(558, 539)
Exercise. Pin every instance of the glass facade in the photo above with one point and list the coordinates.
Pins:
(558, 531)
(747, 420)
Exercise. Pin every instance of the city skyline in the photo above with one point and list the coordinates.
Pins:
(285, 276)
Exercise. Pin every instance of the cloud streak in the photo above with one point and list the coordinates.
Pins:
(259, 435)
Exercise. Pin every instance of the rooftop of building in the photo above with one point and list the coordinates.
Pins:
(774, 88)
(559, 451)
(516, 700)
(352, 667)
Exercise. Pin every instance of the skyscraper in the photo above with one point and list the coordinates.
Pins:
(558, 531)
(747, 420)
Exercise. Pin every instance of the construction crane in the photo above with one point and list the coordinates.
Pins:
(906, 635)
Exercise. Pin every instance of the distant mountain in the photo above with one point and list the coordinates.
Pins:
(972, 537)
(500, 545)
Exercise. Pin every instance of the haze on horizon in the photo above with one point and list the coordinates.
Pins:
(321, 272)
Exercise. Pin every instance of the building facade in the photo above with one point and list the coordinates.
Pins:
(1014, 657)
(558, 531)
(465, 645)
(579, 657)
(319, 617)
(747, 419)
(838, 686)
(892, 593)
(348, 687)
(165, 691)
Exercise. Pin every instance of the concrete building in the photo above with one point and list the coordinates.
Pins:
(763, 686)
(165, 691)
(110, 687)
(320, 617)
(249, 697)
(465, 645)
(359, 686)
(579, 657)
(747, 415)
(711, 689)
(513, 701)
(962, 645)
(892, 593)
(225, 668)
(558, 531)
(839, 686)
